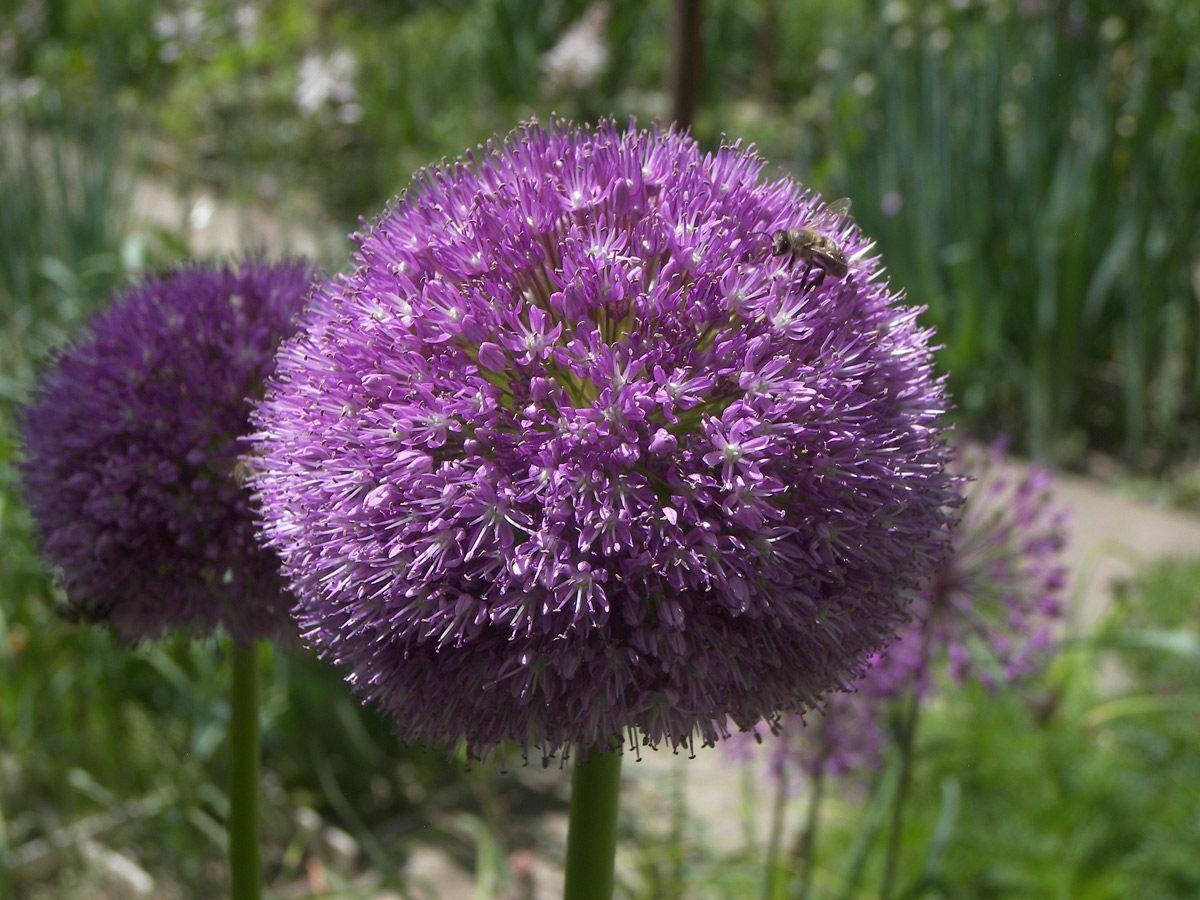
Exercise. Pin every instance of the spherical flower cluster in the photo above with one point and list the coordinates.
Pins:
(994, 602)
(571, 451)
(988, 613)
(131, 443)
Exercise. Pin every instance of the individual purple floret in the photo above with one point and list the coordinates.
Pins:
(131, 442)
(988, 613)
(571, 451)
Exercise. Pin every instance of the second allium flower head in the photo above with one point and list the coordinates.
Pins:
(571, 452)
(988, 613)
(131, 443)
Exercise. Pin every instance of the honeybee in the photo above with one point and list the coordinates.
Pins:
(821, 252)
(243, 469)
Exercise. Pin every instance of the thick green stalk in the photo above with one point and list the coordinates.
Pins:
(592, 827)
(245, 866)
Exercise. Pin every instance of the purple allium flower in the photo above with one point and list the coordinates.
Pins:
(988, 613)
(131, 441)
(994, 601)
(570, 451)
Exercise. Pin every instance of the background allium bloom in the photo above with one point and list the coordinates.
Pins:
(131, 441)
(570, 451)
(993, 602)
(987, 613)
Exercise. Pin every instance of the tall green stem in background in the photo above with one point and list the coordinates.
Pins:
(592, 826)
(907, 734)
(774, 879)
(245, 865)
(806, 843)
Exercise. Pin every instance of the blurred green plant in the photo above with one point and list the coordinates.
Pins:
(125, 746)
(61, 209)
(347, 99)
(120, 748)
(1029, 169)
(1032, 172)
(1155, 626)
(1068, 787)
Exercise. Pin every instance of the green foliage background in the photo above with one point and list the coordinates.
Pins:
(1029, 169)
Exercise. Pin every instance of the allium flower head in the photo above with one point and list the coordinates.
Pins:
(131, 443)
(994, 601)
(988, 612)
(570, 451)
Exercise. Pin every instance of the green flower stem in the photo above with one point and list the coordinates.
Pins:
(245, 866)
(592, 827)
(775, 876)
(906, 740)
(678, 825)
(806, 843)
(891, 860)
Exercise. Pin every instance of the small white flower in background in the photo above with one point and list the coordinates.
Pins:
(349, 113)
(201, 214)
(15, 92)
(580, 55)
(180, 31)
(245, 22)
(328, 80)
(8, 48)
(864, 84)
(895, 12)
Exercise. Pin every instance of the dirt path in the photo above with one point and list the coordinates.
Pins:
(1112, 535)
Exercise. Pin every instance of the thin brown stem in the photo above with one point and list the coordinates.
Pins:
(685, 61)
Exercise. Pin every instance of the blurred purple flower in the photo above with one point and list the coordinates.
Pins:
(987, 613)
(993, 602)
(131, 442)
(571, 452)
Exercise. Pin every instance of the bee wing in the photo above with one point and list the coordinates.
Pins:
(835, 211)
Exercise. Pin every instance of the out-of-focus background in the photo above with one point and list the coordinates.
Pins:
(1030, 170)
